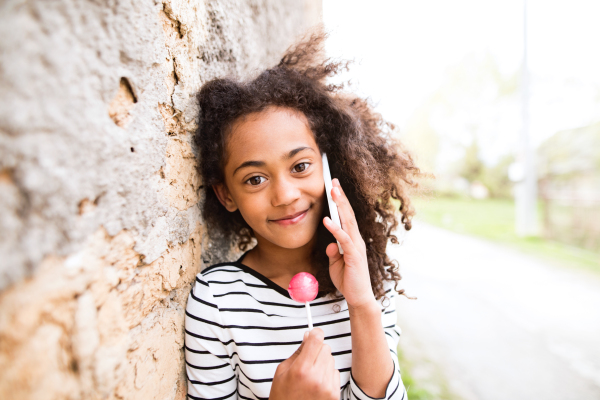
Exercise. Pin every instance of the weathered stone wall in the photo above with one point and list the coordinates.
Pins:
(100, 229)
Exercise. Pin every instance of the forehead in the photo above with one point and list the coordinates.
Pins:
(269, 133)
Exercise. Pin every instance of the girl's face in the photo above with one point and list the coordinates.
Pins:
(274, 176)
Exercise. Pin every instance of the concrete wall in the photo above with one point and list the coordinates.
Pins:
(100, 229)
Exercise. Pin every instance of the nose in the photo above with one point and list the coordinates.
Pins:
(284, 192)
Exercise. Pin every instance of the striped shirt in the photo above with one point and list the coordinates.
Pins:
(240, 325)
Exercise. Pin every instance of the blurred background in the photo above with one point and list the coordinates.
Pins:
(101, 235)
(500, 101)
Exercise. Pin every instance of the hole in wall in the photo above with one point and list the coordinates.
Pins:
(74, 366)
(6, 176)
(122, 103)
(85, 206)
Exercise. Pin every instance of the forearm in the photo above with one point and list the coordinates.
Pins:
(372, 366)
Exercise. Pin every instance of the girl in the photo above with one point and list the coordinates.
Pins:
(260, 158)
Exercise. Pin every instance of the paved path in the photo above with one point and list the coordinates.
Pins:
(496, 323)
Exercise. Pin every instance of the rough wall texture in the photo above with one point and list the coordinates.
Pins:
(100, 229)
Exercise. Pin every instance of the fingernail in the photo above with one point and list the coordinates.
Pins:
(336, 191)
(305, 335)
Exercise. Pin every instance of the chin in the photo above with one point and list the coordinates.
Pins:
(293, 244)
(292, 241)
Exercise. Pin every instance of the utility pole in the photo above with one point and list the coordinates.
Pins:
(526, 187)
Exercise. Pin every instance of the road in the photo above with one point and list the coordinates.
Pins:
(493, 323)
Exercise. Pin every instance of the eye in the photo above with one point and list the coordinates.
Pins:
(300, 167)
(255, 180)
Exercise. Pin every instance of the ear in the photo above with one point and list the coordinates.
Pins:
(225, 197)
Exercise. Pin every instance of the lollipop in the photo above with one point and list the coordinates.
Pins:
(304, 288)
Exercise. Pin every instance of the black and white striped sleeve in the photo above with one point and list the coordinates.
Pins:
(395, 388)
(209, 371)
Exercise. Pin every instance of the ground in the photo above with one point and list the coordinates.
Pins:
(494, 322)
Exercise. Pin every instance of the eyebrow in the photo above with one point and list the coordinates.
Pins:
(296, 151)
(287, 156)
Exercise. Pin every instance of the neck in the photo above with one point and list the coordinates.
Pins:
(280, 264)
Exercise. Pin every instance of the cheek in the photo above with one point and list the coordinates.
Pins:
(318, 186)
(317, 191)
(255, 207)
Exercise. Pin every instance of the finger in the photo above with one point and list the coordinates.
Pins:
(346, 212)
(310, 349)
(347, 216)
(324, 356)
(283, 367)
(340, 235)
(333, 253)
(338, 191)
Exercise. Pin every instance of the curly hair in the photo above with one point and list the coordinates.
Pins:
(374, 169)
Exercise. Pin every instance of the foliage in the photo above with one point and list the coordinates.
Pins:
(462, 130)
(494, 178)
(471, 167)
(569, 171)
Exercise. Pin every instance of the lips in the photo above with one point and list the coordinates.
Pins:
(292, 218)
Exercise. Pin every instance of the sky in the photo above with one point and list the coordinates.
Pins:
(403, 49)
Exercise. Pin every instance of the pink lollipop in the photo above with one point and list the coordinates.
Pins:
(304, 288)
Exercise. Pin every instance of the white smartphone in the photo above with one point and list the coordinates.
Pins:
(335, 216)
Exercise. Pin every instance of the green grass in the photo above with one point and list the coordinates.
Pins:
(494, 219)
(433, 386)
(413, 389)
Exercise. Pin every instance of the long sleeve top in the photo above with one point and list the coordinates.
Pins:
(240, 325)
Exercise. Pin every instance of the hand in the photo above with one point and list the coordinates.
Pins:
(350, 271)
(309, 373)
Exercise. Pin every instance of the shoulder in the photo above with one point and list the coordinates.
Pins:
(220, 280)
(221, 273)
(232, 266)
(203, 308)
(212, 277)
(227, 276)
(201, 289)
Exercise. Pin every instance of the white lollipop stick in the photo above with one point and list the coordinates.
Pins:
(310, 325)
(335, 216)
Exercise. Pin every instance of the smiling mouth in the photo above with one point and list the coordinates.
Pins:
(291, 219)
